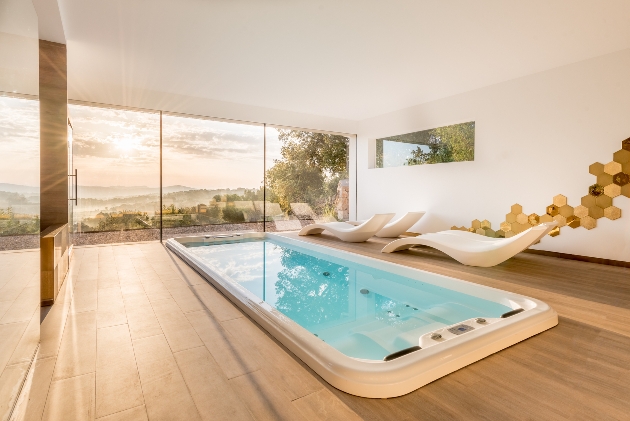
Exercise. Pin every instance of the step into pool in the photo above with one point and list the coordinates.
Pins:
(369, 327)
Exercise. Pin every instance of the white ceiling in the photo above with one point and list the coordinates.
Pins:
(18, 17)
(349, 59)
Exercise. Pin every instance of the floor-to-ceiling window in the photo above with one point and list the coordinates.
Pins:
(19, 199)
(307, 178)
(212, 175)
(117, 158)
(19, 173)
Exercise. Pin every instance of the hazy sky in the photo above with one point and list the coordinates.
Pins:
(121, 148)
(19, 141)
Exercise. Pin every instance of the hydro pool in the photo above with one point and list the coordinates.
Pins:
(368, 327)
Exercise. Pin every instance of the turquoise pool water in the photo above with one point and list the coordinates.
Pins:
(362, 311)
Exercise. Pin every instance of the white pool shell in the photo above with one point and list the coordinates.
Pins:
(380, 379)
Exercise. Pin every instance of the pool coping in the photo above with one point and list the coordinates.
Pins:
(368, 378)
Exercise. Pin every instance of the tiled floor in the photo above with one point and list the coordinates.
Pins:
(19, 321)
(144, 337)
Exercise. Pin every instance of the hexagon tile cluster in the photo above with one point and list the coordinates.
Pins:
(613, 179)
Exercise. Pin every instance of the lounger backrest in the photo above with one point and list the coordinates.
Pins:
(375, 223)
(409, 217)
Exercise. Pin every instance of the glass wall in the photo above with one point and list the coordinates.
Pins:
(19, 198)
(117, 157)
(212, 176)
(19, 173)
(215, 176)
(307, 178)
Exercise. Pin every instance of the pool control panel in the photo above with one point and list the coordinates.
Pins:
(449, 332)
(459, 329)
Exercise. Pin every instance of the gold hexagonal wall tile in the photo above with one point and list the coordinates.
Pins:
(486, 224)
(595, 212)
(604, 201)
(471, 230)
(626, 167)
(626, 144)
(500, 234)
(505, 226)
(476, 224)
(566, 211)
(454, 228)
(554, 232)
(510, 234)
(480, 231)
(596, 169)
(612, 168)
(596, 190)
(622, 156)
(612, 190)
(580, 211)
(552, 210)
(546, 218)
(561, 220)
(533, 219)
(625, 190)
(612, 212)
(559, 200)
(621, 179)
(588, 201)
(521, 228)
(588, 222)
(510, 217)
(516, 209)
(573, 221)
(604, 179)
(490, 232)
(521, 218)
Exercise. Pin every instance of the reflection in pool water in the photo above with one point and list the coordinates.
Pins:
(361, 311)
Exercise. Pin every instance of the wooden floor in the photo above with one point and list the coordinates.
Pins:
(145, 337)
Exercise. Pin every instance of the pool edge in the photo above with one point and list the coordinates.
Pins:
(357, 377)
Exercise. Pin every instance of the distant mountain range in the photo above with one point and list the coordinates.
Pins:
(95, 198)
(111, 192)
(100, 192)
(17, 188)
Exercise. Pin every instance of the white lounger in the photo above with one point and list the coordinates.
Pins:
(474, 249)
(349, 233)
(397, 227)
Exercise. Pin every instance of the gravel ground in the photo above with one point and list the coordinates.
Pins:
(20, 242)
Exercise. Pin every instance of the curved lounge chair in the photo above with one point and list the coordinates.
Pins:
(348, 233)
(397, 227)
(479, 251)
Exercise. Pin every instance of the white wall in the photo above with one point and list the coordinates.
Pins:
(535, 138)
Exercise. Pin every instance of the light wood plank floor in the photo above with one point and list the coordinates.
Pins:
(138, 335)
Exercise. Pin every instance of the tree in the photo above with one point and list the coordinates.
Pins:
(217, 198)
(310, 168)
(233, 215)
(306, 294)
(447, 144)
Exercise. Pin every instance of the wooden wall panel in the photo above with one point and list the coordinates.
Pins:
(53, 103)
